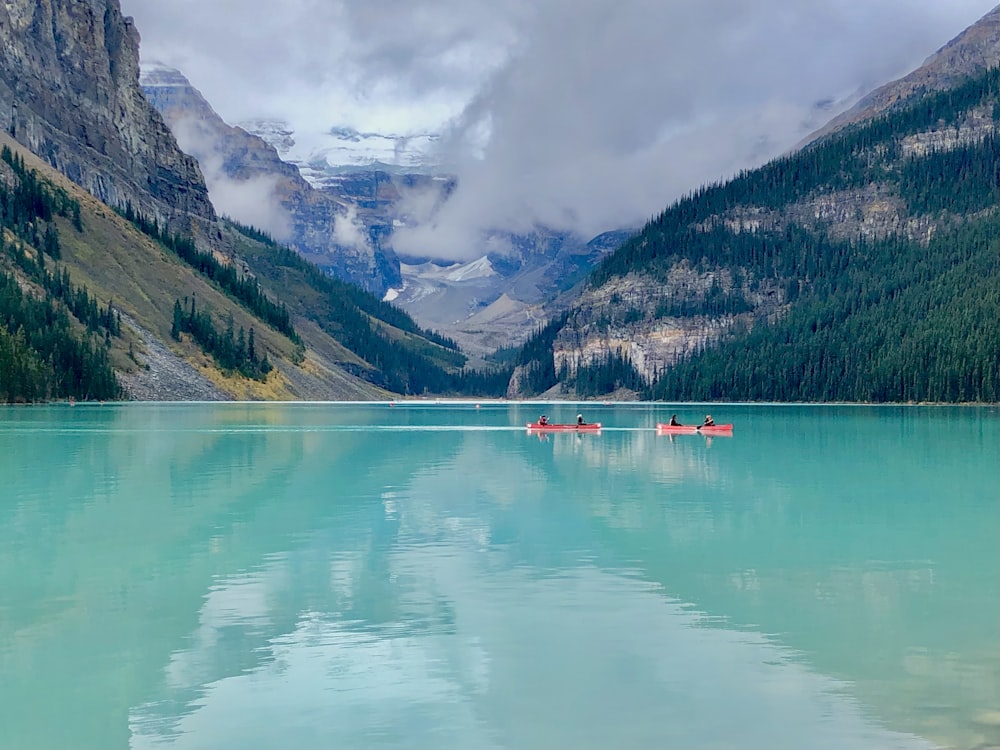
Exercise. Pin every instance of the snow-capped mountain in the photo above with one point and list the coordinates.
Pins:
(322, 157)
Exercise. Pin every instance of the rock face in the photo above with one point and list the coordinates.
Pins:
(249, 182)
(69, 91)
(631, 316)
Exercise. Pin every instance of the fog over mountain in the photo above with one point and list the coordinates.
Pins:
(578, 115)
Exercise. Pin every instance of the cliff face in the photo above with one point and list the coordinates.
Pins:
(249, 181)
(69, 91)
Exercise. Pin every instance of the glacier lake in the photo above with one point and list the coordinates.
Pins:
(432, 575)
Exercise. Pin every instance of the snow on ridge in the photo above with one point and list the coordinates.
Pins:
(480, 268)
(477, 269)
(322, 156)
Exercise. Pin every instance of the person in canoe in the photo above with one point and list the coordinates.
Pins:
(579, 420)
(543, 421)
(709, 422)
(673, 421)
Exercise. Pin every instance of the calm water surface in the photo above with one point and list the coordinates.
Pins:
(429, 575)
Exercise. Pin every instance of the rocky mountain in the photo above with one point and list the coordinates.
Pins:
(69, 91)
(249, 181)
(499, 299)
(860, 268)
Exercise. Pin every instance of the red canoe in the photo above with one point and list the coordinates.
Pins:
(691, 429)
(567, 427)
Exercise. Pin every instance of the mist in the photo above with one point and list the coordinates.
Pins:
(572, 115)
(253, 201)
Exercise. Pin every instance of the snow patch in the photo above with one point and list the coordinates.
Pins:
(477, 269)
(480, 268)
(323, 156)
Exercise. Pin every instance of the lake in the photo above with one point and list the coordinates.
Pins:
(419, 575)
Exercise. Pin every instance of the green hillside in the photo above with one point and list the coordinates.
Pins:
(907, 314)
(85, 292)
(55, 339)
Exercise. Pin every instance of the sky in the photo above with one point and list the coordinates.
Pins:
(579, 115)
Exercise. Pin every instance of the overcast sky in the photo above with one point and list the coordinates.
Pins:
(576, 114)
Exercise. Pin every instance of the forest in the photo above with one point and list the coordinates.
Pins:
(869, 320)
(53, 344)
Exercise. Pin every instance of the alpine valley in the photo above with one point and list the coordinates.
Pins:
(338, 203)
(864, 266)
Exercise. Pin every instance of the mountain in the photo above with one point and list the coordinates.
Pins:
(338, 205)
(250, 182)
(860, 268)
(118, 279)
(972, 52)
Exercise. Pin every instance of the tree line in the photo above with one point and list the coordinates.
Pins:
(43, 353)
(232, 352)
(423, 362)
(283, 256)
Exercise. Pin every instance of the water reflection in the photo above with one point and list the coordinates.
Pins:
(252, 576)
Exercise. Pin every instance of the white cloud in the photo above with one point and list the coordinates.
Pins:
(252, 201)
(576, 114)
(349, 231)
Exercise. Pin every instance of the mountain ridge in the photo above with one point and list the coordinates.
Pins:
(760, 288)
(254, 185)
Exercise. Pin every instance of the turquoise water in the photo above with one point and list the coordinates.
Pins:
(430, 575)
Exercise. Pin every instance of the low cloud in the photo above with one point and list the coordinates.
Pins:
(579, 115)
(252, 201)
(606, 114)
(349, 231)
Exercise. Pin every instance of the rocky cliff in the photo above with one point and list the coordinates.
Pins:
(69, 91)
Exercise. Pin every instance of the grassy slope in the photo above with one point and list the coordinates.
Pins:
(117, 262)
